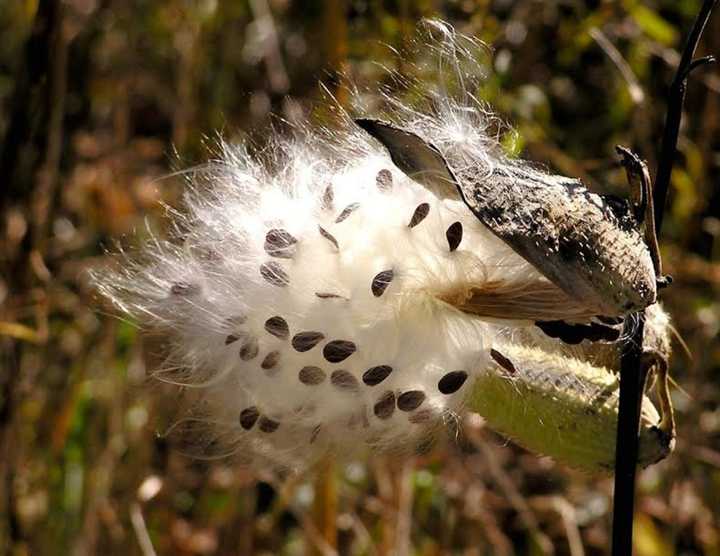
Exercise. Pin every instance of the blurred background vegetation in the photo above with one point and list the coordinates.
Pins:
(97, 95)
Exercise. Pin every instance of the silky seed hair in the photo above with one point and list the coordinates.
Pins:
(312, 295)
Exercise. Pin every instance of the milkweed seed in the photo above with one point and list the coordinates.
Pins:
(271, 360)
(305, 341)
(328, 200)
(311, 375)
(278, 327)
(503, 361)
(385, 406)
(249, 348)
(381, 282)
(248, 417)
(338, 350)
(375, 375)
(420, 417)
(280, 243)
(268, 425)
(328, 295)
(347, 211)
(410, 400)
(327, 235)
(454, 235)
(452, 382)
(419, 215)
(274, 274)
(384, 180)
(343, 380)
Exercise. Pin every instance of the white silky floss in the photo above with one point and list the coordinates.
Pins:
(303, 294)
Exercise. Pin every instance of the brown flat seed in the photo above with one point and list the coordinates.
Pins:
(344, 380)
(328, 200)
(311, 375)
(452, 382)
(327, 235)
(420, 417)
(314, 434)
(231, 338)
(280, 243)
(274, 274)
(410, 400)
(384, 180)
(385, 406)
(454, 235)
(248, 417)
(347, 211)
(338, 350)
(305, 341)
(184, 288)
(375, 375)
(503, 361)
(419, 215)
(278, 327)
(249, 348)
(271, 359)
(381, 282)
(268, 425)
(328, 295)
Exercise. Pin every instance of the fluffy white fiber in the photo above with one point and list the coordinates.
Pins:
(301, 291)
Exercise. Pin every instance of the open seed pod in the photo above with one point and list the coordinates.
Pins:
(561, 407)
(323, 296)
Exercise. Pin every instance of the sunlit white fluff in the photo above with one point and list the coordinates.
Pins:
(318, 233)
(205, 285)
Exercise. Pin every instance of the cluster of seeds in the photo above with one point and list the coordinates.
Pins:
(329, 361)
(331, 330)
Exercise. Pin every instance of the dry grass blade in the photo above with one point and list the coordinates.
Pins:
(141, 532)
(634, 89)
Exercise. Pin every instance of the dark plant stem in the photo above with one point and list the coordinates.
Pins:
(632, 373)
(676, 99)
(632, 385)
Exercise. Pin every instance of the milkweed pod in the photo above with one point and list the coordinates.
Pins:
(589, 245)
(561, 407)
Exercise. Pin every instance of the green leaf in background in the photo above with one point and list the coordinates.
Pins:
(654, 25)
(686, 195)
